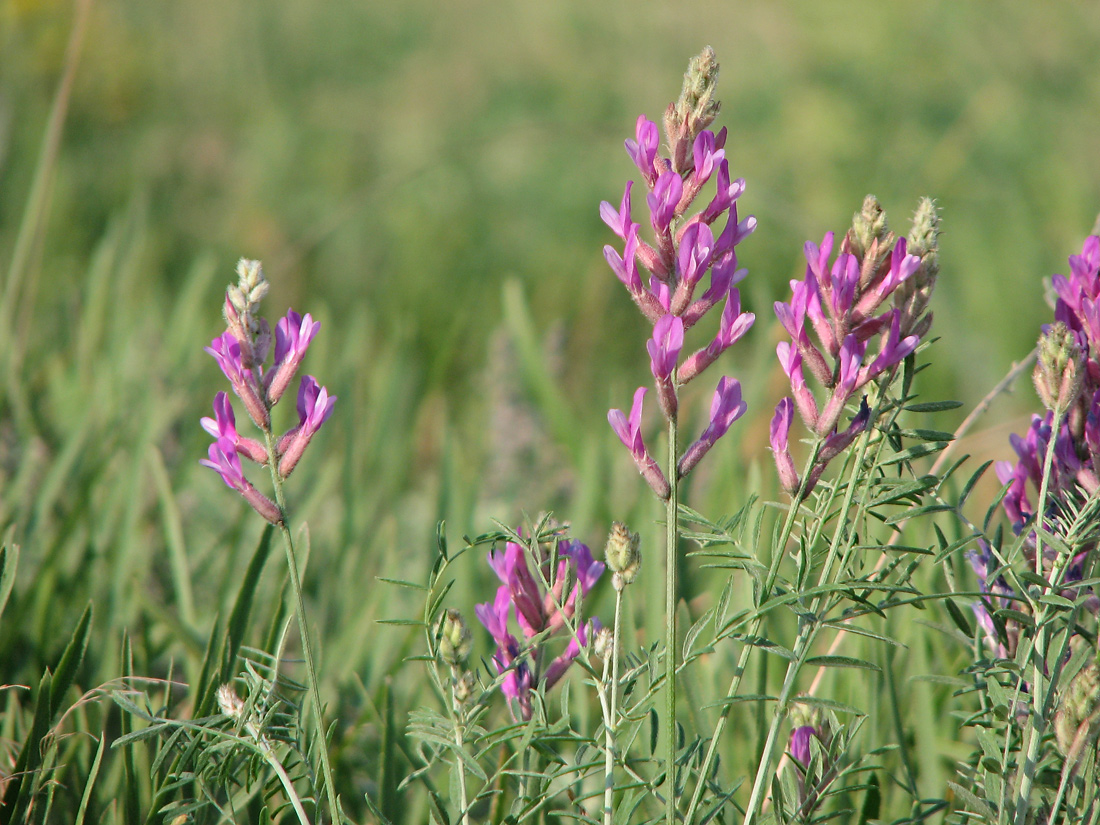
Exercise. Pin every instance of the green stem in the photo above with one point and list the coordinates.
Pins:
(746, 650)
(460, 723)
(611, 723)
(303, 624)
(1037, 725)
(672, 534)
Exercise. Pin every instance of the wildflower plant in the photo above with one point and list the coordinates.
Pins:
(1035, 641)
(831, 559)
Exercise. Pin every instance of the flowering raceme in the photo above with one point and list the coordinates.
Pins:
(843, 305)
(1067, 379)
(240, 352)
(540, 611)
(684, 249)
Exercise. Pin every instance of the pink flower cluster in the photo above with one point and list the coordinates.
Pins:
(240, 352)
(683, 252)
(540, 613)
(842, 306)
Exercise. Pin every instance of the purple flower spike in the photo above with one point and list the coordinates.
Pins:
(629, 432)
(619, 222)
(902, 265)
(227, 352)
(293, 335)
(224, 425)
(726, 407)
(314, 409)
(224, 461)
(779, 439)
(851, 356)
(727, 193)
(817, 257)
(664, 199)
(643, 150)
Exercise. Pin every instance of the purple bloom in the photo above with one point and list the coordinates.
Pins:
(227, 352)
(643, 150)
(779, 440)
(725, 408)
(665, 345)
(538, 614)
(224, 425)
(733, 326)
(314, 409)
(224, 461)
(725, 196)
(799, 746)
(293, 335)
(630, 433)
(664, 199)
(625, 267)
(619, 222)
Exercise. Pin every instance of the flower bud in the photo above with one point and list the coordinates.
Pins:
(1060, 368)
(454, 639)
(603, 646)
(622, 554)
(464, 687)
(229, 702)
(695, 109)
(869, 225)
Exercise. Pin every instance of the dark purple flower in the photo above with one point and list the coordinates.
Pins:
(665, 345)
(799, 746)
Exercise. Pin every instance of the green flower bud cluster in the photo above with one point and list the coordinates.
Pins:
(1060, 369)
(622, 555)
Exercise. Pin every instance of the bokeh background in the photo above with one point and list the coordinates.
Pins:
(424, 177)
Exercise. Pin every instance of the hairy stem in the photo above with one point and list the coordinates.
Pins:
(672, 534)
(303, 624)
(611, 710)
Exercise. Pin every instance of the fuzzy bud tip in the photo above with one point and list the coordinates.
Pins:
(454, 638)
(1059, 370)
(622, 554)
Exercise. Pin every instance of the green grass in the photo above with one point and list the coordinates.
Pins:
(424, 178)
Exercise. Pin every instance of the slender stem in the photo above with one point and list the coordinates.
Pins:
(284, 779)
(303, 624)
(460, 724)
(672, 534)
(1037, 725)
(778, 553)
(611, 723)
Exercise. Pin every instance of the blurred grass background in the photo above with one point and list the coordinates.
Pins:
(424, 178)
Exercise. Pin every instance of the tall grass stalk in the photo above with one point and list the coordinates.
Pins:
(672, 541)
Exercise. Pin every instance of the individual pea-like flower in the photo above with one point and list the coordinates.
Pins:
(629, 431)
(293, 335)
(224, 425)
(223, 460)
(314, 409)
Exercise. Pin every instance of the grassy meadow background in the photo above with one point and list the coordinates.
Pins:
(424, 178)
